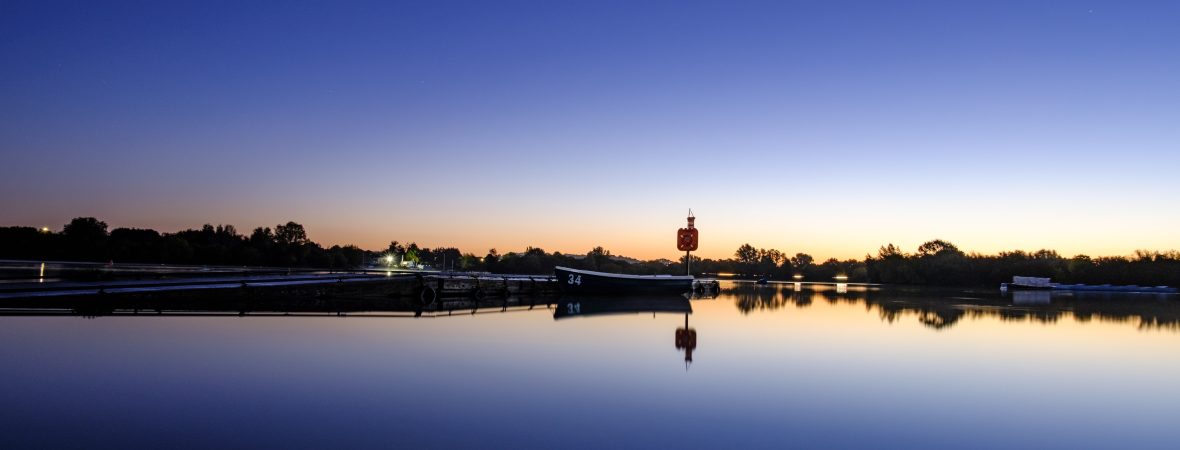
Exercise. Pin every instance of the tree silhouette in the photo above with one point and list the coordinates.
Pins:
(290, 234)
(802, 262)
(85, 238)
(935, 247)
(746, 256)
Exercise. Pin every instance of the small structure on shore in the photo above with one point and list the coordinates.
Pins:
(1019, 282)
(1044, 284)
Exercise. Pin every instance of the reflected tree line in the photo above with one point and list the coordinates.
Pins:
(936, 262)
(934, 310)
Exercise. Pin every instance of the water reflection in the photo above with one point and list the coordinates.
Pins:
(579, 306)
(943, 308)
(1031, 297)
(573, 306)
(686, 340)
(806, 365)
(933, 308)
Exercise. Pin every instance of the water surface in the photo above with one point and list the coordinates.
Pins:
(773, 366)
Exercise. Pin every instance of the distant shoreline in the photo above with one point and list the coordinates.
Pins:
(286, 247)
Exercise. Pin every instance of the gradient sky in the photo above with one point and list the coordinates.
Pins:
(822, 127)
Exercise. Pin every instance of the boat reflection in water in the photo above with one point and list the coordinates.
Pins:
(576, 306)
(579, 306)
(1031, 297)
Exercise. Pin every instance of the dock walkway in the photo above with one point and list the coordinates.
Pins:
(426, 287)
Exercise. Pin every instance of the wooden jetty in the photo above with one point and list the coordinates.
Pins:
(378, 293)
(422, 288)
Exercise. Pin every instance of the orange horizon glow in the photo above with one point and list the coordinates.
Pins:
(820, 230)
(656, 245)
(649, 242)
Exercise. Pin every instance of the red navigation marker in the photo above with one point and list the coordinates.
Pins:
(686, 238)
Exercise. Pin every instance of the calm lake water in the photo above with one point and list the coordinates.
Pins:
(774, 366)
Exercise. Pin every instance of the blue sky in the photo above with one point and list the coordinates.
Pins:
(825, 127)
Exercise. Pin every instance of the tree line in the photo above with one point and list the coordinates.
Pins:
(935, 262)
(938, 262)
(87, 239)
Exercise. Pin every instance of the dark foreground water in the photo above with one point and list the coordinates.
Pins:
(777, 366)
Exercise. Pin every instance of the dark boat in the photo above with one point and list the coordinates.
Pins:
(577, 281)
(585, 305)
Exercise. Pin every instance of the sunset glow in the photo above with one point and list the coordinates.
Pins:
(808, 127)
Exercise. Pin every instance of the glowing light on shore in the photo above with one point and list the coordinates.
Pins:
(841, 277)
(797, 277)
